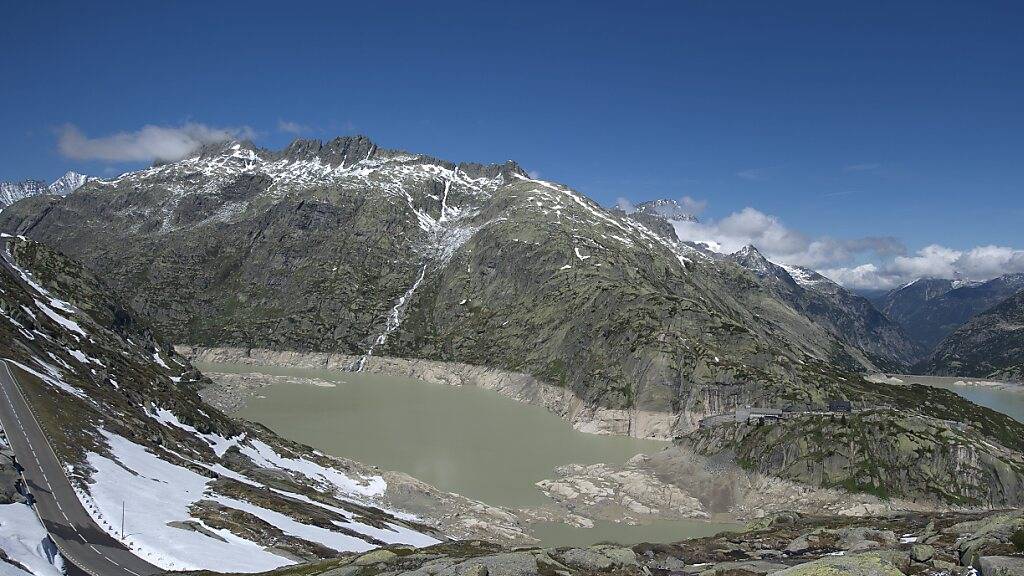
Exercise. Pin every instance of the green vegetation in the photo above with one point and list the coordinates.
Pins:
(1018, 540)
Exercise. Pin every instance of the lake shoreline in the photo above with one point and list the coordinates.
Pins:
(967, 382)
(636, 423)
(631, 505)
(672, 485)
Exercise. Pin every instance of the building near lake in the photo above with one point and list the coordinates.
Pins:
(762, 414)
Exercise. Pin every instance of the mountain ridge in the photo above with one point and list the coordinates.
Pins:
(989, 345)
(11, 192)
(930, 309)
(349, 247)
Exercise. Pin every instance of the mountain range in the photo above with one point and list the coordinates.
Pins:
(990, 345)
(343, 246)
(929, 309)
(11, 192)
(409, 222)
(348, 248)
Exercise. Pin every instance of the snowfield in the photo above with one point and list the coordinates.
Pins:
(156, 493)
(24, 540)
(158, 496)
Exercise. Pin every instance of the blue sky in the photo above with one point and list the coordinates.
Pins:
(839, 121)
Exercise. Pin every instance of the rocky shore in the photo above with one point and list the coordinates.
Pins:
(786, 544)
(674, 484)
(521, 387)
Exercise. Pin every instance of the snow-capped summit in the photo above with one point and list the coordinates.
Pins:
(67, 183)
(751, 258)
(11, 192)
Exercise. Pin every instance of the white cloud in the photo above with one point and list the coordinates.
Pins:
(149, 143)
(625, 205)
(295, 128)
(879, 262)
(779, 242)
(934, 261)
(695, 207)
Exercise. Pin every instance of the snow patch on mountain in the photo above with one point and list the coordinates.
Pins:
(156, 495)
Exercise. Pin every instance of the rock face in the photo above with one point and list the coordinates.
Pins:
(349, 248)
(989, 346)
(1001, 566)
(11, 192)
(930, 309)
(845, 315)
(951, 451)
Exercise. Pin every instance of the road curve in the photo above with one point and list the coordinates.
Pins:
(80, 541)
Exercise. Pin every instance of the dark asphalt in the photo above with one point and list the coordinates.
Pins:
(80, 541)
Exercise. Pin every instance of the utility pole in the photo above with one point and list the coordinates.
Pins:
(122, 519)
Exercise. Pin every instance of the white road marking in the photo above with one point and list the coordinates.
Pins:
(24, 437)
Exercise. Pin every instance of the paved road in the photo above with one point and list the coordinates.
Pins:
(80, 540)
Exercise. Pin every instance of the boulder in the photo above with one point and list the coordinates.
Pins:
(921, 552)
(1001, 565)
(867, 564)
(375, 557)
(507, 564)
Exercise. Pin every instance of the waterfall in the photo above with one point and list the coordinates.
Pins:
(393, 321)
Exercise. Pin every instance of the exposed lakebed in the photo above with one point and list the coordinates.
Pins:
(466, 440)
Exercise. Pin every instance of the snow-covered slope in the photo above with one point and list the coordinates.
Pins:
(67, 183)
(203, 491)
(11, 192)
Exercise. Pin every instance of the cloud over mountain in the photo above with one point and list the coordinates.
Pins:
(878, 262)
(149, 143)
(934, 261)
(781, 243)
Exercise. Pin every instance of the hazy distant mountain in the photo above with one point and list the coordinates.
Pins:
(668, 209)
(990, 345)
(11, 192)
(929, 309)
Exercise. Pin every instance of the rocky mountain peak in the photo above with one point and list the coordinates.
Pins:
(508, 169)
(225, 148)
(751, 258)
(67, 183)
(341, 150)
